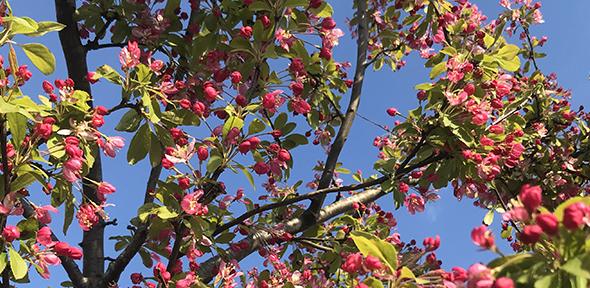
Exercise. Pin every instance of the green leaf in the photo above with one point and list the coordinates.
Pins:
(20, 25)
(22, 181)
(249, 176)
(325, 10)
(6, 107)
(449, 50)
(373, 282)
(578, 266)
(145, 211)
(69, 214)
(146, 100)
(368, 244)
(509, 65)
(406, 273)
(547, 281)
(107, 72)
(225, 238)
(164, 213)
(259, 6)
(508, 52)
(140, 145)
(17, 264)
(489, 218)
(438, 69)
(424, 86)
(18, 127)
(3, 260)
(214, 162)
(256, 126)
(45, 27)
(296, 3)
(129, 122)
(145, 258)
(40, 56)
(155, 152)
(28, 228)
(232, 122)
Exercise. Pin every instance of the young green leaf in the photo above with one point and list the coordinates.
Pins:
(369, 244)
(40, 56)
(17, 264)
(140, 145)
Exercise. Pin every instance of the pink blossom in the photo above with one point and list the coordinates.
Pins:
(71, 169)
(480, 276)
(42, 213)
(518, 213)
(538, 17)
(183, 154)
(488, 169)
(129, 56)
(87, 216)
(482, 237)
(300, 106)
(157, 65)
(271, 101)
(105, 188)
(414, 203)
(113, 145)
(284, 38)
(456, 99)
(353, 263)
(10, 233)
(44, 237)
(503, 85)
(9, 207)
(330, 39)
(64, 249)
(190, 204)
(187, 281)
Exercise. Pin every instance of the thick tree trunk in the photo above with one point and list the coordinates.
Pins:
(75, 56)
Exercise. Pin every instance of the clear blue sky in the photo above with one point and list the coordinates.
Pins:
(566, 26)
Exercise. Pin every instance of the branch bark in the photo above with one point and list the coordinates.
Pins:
(362, 42)
(296, 199)
(75, 56)
(300, 224)
(207, 269)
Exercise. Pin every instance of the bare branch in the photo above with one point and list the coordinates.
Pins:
(301, 223)
(75, 55)
(296, 199)
(256, 241)
(355, 97)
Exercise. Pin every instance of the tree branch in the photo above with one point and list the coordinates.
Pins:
(176, 248)
(75, 56)
(296, 199)
(355, 97)
(257, 240)
(300, 224)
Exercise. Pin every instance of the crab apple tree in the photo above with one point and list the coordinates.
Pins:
(213, 89)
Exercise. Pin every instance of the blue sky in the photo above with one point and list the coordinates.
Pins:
(569, 38)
